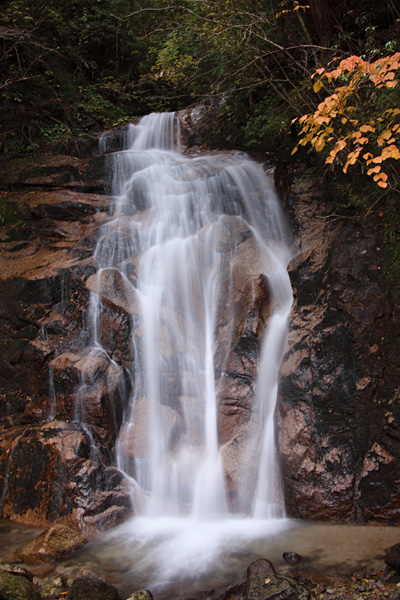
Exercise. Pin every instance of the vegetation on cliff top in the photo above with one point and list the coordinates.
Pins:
(70, 66)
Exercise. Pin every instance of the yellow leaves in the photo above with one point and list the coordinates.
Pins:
(317, 86)
(391, 112)
(320, 143)
(385, 135)
(373, 170)
(367, 128)
(351, 159)
(297, 6)
(349, 64)
(381, 179)
(340, 144)
(391, 151)
(320, 120)
(336, 73)
(340, 126)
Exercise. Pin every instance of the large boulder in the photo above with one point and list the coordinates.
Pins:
(55, 543)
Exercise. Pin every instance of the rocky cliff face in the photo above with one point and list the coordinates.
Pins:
(52, 208)
(338, 396)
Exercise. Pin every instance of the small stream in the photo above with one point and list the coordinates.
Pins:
(138, 556)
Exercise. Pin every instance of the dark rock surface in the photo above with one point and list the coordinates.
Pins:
(291, 558)
(338, 414)
(89, 586)
(392, 558)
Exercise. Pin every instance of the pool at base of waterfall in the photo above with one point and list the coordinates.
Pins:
(181, 558)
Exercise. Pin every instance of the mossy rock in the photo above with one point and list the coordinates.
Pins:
(14, 587)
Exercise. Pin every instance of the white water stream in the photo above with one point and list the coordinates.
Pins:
(178, 227)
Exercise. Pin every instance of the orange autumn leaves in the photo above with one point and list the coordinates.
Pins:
(347, 121)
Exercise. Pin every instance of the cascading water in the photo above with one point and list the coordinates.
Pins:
(172, 251)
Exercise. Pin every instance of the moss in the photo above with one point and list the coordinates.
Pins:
(13, 587)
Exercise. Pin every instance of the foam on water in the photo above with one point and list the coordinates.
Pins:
(168, 550)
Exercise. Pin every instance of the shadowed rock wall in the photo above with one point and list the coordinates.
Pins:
(52, 209)
(339, 396)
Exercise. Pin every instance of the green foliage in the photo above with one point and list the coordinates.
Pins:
(70, 63)
(93, 103)
(267, 127)
(93, 63)
(11, 222)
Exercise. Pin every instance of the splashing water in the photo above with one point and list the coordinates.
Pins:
(189, 242)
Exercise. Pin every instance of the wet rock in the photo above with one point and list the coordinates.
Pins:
(115, 290)
(340, 376)
(197, 122)
(14, 587)
(260, 567)
(84, 145)
(135, 441)
(42, 569)
(66, 479)
(85, 175)
(244, 310)
(56, 543)
(44, 265)
(89, 586)
(338, 414)
(141, 595)
(16, 570)
(113, 141)
(291, 558)
(392, 558)
(233, 592)
(263, 583)
(93, 389)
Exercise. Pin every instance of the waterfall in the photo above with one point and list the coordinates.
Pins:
(174, 248)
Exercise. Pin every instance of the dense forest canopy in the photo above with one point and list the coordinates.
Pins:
(74, 66)
(69, 65)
